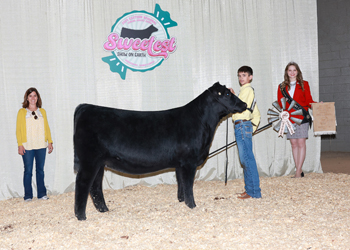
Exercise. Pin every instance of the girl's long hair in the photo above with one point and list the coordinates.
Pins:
(25, 102)
(286, 82)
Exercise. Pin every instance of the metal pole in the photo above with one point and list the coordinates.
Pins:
(234, 142)
(226, 152)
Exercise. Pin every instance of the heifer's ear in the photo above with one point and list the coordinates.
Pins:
(217, 85)
(218, 89)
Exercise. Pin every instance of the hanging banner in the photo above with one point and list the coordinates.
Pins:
(139, 41)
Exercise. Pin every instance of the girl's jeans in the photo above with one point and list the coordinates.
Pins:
(28, 160)
(244, 133)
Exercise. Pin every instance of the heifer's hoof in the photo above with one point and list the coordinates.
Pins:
(181, 199)
(81, 217)
(101, 206)
(103, 209)
(191, 204)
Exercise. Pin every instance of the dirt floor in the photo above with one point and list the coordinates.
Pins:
(304, 213)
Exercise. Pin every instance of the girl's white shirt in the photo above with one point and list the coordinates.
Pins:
(292, 88)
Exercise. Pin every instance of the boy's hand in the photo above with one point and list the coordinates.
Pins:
(232, 91)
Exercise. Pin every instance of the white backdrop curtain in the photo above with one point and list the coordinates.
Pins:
(56, 46)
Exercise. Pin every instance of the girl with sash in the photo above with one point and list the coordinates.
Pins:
(295, 88)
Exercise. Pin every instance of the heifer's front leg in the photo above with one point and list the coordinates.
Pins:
(186, 176)
(96, 192)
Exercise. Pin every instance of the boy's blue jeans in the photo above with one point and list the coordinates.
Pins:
(28, 159)
(244, 133)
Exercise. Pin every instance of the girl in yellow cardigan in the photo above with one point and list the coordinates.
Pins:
(33, 137)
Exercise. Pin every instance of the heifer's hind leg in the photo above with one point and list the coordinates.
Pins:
(82, 187)
(97, 193)
(180, 185)
(185, 176)
(83, 183)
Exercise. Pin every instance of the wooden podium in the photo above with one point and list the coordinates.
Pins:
(324, 118)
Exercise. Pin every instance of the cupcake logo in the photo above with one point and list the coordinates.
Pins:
(139, 41)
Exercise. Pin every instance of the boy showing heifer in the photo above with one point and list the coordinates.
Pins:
(245, 124)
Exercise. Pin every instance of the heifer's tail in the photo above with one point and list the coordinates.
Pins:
(76, 163)
(77, 113)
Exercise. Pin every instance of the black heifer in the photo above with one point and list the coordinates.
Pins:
(139, 142)
(142, 34)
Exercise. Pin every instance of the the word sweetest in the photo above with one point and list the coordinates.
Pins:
(152, 46)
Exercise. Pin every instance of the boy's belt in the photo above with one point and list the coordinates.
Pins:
(240, 121)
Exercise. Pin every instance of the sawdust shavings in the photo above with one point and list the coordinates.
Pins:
(306, 213)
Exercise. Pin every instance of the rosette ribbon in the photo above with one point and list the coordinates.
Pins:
(283, 117)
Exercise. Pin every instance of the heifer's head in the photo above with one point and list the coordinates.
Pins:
(224, 97)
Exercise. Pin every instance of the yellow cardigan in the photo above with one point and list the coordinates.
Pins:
(21, 129)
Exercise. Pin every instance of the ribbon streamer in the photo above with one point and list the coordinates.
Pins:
(285, 122)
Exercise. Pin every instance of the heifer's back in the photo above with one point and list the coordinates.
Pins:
(142, 142)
